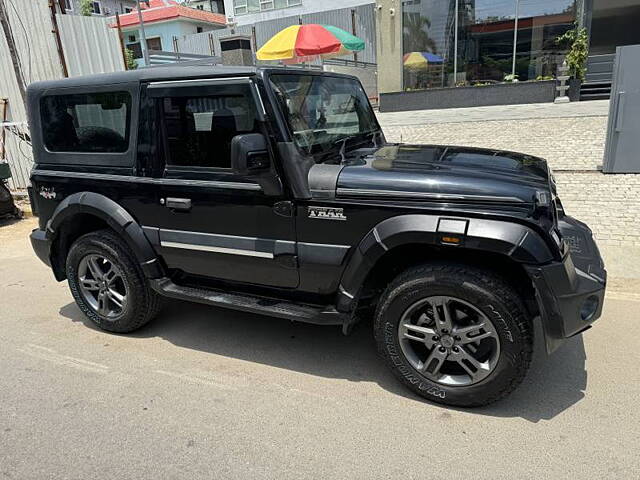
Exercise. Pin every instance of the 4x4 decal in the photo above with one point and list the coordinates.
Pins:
(327, 213)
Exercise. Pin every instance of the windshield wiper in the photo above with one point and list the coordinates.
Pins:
(344, 141)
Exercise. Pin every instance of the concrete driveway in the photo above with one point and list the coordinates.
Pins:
(207, 393)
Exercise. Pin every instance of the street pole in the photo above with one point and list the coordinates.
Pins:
(143, 37)
(455, 47)
(515, 41)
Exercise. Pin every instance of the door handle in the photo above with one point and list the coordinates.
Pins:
(181, 204)
(619, 112)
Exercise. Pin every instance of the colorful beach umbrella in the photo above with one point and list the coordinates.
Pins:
(303, 43)
(421, 59)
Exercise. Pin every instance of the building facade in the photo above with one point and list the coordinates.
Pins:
(166, 21)
(247, 12)
(480, 42)
(103, 8)
(215, 6)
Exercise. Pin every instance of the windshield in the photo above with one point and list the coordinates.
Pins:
(324, 111)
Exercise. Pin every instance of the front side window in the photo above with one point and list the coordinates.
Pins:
(87, 122)
(199, 130)
(322, 111)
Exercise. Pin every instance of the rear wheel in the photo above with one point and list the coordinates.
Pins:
(107, 283)
(454, 334)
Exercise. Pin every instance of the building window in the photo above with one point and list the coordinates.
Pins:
(132, 38)
(199, 129)
(152, 44)
(240, 7)
(128, 9)
(88, 122)
(293, 3)
(96, 8)
(483, 33)
(266, 4)
(200, 7)
(66, 5)
(199, 30)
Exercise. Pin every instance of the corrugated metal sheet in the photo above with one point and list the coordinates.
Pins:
(31, 25)
(90, 45)
(200, 43)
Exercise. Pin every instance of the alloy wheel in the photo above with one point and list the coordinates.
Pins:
(102, 285)
(449, 341)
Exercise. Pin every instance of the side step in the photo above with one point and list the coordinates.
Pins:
(249, 303)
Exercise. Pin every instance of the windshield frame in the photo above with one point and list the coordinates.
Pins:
(283, 116)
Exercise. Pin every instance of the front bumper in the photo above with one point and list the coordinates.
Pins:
(41, 245)
(570, 293)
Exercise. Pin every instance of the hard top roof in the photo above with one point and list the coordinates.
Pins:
(172, 72)
(146, 75)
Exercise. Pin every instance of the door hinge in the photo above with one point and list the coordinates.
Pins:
(284, 209)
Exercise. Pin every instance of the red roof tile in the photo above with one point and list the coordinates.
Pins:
(161, 10)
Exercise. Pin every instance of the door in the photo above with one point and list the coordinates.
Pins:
(210, 221)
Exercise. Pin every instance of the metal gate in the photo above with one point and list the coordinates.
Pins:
(622, 152)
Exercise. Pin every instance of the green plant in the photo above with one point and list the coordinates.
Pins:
(511, 78)
(129, 60)
(86, 8)
(577, 42)
(544, 77)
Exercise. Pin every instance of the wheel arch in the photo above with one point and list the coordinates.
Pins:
(399, 242)
(84, 212)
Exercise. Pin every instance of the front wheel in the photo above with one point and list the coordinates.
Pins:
(454, 334)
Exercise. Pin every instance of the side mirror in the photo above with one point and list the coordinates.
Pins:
(249, 154)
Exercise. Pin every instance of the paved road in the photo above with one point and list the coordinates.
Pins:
(206, 393)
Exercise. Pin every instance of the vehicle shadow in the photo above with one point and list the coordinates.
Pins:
(553, 385)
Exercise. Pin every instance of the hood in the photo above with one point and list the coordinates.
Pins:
(444, 173)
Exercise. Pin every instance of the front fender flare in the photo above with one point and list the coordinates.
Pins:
(513, 240)
(119, 219)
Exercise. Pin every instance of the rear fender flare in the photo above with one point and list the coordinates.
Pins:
(519, 242)
(116, 217)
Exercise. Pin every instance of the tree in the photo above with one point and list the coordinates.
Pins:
(417, 37)
(86, 8)
(129, 60)
(577, 41)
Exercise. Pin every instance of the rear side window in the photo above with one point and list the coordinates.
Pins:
(86, 122)
(199, 129)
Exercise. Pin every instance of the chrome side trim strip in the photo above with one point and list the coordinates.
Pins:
(425, 195)
(149, 180)
(206, 248)
(345, 293)
(376, 235)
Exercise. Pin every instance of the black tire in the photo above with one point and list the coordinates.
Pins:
(142, 303)
(486, 291)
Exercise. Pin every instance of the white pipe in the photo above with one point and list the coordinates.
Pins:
(455, 48)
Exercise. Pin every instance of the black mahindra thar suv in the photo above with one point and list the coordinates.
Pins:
(274, 191)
